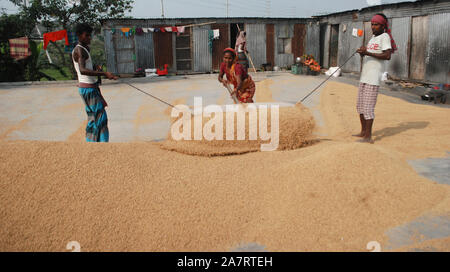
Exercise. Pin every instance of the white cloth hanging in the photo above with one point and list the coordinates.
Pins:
(216, 33)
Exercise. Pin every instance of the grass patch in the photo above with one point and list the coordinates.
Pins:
(56, 74)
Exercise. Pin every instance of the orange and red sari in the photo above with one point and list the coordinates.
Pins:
(247, 91)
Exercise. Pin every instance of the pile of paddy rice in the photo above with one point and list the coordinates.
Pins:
(137, 197)
(336, 195)
(295, 131)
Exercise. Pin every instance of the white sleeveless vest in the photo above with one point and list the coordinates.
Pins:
(83, 78)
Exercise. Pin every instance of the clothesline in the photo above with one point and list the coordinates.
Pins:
(192, 25)
(19, 47)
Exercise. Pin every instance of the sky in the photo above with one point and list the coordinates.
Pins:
(237, 8)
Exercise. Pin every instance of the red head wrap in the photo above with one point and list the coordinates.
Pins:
(382, 21)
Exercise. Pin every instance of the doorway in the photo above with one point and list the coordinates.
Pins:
(234, 32)
(334, 45)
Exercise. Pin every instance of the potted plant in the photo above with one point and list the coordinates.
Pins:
(310, 65)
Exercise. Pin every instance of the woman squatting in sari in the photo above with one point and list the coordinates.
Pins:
(244, 86)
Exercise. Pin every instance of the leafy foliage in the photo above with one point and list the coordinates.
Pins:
(53, 15)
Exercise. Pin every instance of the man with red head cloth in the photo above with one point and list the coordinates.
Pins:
(376, 54)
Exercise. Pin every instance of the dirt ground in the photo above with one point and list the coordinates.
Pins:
(335, 195)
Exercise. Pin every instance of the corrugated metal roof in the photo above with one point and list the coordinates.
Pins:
(204, 19)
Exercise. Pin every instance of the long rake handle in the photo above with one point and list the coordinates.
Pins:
(327, 78)
(150, 95)
(235, 100)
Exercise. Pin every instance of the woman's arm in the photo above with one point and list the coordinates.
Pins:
(239, 81)
(220, 78)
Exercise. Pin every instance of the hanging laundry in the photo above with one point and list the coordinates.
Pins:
(168, 29)
(113, 31)
(55, 36)
(162, 29)
(126, 31)
(145, 30)
(151, 29)
(19, 48)
(157, 30)
(216, 33)
(139, 31)
(180, 30)
(174, 29)
(73, 40)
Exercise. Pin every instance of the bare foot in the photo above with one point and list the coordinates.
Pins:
(358, 135)
(366, 140)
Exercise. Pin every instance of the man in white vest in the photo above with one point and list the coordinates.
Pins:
(97, 127)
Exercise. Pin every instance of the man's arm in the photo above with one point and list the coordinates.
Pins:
(80, 56)
(386, 55)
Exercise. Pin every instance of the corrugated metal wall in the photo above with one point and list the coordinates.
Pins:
(202, 54)
(283, 30)
(144, 51)
(334, 46)
(326, 47)
(368, 33)
(348, 44)
(398, 66)
(256, 43)
(313, 40)
(437, 62)
(423, 41)
(299, 40)
(220, 44)
(419, 47)
(270, 44)
(109, 51)
(125, 54)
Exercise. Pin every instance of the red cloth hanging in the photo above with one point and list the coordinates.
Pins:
(55, 36)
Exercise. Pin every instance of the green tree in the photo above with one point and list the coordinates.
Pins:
(65, 14)
(12, 26)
